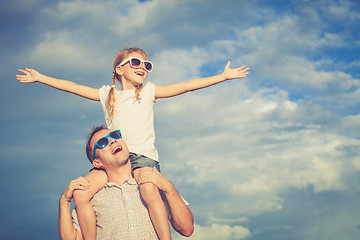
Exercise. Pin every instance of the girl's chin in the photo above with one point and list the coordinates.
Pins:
(139, 82)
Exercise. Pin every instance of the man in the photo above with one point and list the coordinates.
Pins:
(120, 211)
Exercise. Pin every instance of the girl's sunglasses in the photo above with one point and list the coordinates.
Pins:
(136, 63)
(103, 142)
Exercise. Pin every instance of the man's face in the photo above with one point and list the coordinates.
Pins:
(116, 153)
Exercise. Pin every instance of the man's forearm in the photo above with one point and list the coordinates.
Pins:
(182, 219)
(66, 228)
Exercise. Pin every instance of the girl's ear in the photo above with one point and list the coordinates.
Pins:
(118, 70)
(96, 163)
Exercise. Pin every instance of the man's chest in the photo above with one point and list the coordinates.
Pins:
(121, 212)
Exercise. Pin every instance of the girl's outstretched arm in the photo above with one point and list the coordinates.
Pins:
(194, 84)
(31, 75)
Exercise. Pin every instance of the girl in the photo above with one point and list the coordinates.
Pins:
(131, 110)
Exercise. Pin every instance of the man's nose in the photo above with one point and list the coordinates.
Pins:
(111, 141)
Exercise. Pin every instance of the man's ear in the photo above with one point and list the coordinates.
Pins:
(97, 164)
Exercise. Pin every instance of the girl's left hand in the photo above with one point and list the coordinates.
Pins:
(230, 73)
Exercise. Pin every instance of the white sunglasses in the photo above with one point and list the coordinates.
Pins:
(136, 63)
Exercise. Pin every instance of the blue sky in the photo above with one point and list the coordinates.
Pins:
(272, 156)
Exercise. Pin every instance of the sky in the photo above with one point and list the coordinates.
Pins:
(272, 156)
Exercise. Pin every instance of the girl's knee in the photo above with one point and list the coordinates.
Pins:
(150, 192)
(98, 179)
(81, 196)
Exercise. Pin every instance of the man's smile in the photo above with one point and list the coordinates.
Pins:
(117, 149)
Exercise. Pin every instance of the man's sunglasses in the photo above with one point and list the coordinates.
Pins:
(136, 63)
(103, 142)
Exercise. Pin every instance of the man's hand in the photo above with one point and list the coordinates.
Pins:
(65, 224)
(79, 183)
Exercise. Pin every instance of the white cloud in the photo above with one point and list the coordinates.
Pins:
(279, 51)
(357, 162)
(251, 151)
(178, 65)
(343, 10)
(95, 11)
(350, 126)
(64, 50)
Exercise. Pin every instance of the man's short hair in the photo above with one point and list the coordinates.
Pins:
(89, 148)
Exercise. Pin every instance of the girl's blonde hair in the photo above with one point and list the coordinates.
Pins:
(119, 57)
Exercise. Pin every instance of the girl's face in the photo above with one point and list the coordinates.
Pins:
(132, 77)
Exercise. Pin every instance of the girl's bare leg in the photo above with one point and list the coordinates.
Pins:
(84, 209)
(158, 214)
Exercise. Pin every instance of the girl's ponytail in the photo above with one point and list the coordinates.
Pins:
(111, 97)
(137, 92)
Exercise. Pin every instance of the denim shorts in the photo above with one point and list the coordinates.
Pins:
(139, 161)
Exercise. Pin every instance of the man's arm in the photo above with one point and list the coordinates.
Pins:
(182, 219)
(66, 228)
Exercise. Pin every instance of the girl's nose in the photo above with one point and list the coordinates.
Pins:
(142, 65)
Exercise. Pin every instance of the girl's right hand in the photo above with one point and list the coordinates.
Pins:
(30, 76)
(79, 183)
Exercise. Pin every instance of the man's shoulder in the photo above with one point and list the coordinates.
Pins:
(111, 188)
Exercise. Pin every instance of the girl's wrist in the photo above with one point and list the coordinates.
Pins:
(222, 76)
(40, 77)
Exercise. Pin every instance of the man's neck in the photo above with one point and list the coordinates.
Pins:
(120, 174)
